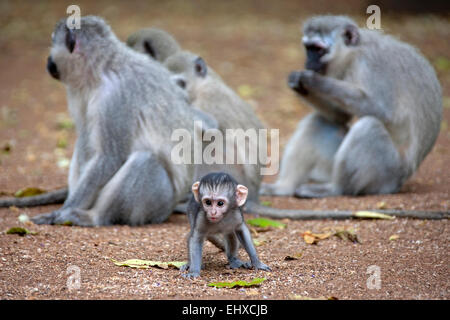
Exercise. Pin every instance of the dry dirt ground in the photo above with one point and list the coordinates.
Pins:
(253, 46)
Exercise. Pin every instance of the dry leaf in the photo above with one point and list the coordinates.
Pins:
(28, 192)
(14, 209)
(295, 256)
(394, 237)
(145, 264)
(259, 241)
(381, 205)
(313, 238)
(347, 234)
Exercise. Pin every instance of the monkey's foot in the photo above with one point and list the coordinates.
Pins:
(191, 275)
(65, 216)
(45, 218)
(319, 190)
(236, 263)
(185, 267)
(262, 266)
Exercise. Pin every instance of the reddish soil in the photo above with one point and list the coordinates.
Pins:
(249, 44)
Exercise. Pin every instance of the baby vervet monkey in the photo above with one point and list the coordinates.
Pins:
(216, 209)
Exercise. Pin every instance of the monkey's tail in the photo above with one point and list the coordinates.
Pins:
(52, 197)
(270, 212)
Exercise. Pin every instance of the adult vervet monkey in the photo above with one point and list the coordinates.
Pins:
(387, 85)
(125, 108)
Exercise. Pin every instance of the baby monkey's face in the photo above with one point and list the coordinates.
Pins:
(215, 207)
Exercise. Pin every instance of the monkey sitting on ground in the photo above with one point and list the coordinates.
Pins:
(387, 84)
(156, 43)
(125, 107)
(216, 208)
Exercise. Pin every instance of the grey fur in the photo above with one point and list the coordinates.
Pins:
(125, 107)
(232, 227)
(210, 94)
(161, 43)
(391, 89)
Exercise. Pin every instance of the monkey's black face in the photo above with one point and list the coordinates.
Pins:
(314, 53)
(52, 68)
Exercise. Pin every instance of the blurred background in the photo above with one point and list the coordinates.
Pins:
(252, 44)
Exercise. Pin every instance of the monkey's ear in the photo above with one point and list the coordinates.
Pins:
(70, 39)
(351, 35)
(149, 48)
(195, 187)
(201, 68)
(241, 195)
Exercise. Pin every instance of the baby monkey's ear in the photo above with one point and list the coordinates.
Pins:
(195, 188)
(241, 195)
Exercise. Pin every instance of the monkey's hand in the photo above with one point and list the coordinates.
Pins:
(262, 266)
(295, 82)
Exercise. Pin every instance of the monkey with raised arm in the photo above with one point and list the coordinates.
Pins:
(391, 89)
(125, 107)
(216, 208)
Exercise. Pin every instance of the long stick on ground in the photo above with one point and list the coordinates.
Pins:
(58, 196)
(337, 214)
(295, 214)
